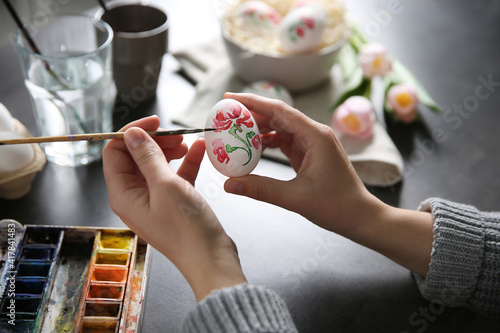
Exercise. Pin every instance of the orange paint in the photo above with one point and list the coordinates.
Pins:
(109, 273)
(102, 309)
(99, 326)
(106, 291)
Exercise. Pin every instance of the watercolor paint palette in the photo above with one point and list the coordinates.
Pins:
(72, 279)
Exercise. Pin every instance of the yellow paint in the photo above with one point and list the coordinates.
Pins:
(111, 258)
(404, 99)
(352, 123)
(116, 242)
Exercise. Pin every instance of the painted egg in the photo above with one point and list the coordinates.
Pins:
(235, 147)
(258, 16)
(302, 3)
(6, 123)
(14, 157)
(301, 29)
(270, 90)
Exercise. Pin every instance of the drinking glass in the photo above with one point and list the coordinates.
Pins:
(70, 82)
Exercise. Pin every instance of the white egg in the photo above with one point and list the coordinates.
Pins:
(258, 16)
(235, 147)
(270, 90)
(302, 3)
(6, 123)
(14, 157)
(301, 29)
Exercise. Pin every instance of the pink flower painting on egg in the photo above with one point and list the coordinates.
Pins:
(298, 31)
(258, 14)
(256, 141)
(301, 30)
(219, 151)
(233, 119)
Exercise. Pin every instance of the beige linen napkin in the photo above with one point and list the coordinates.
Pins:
(376, 160)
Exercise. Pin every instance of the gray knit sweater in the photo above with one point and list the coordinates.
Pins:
(464, 271)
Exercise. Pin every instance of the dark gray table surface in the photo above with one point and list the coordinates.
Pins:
(329, 283)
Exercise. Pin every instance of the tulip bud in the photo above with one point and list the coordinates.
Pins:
(355, 117)
(374, 60)
(404, 101)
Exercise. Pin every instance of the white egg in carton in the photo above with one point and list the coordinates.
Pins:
(18, 163)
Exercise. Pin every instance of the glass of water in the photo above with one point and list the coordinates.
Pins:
(70, 82)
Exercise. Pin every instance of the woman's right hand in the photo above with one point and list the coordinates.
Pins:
(326, 190)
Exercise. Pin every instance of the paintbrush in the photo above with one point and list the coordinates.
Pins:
(99, 136)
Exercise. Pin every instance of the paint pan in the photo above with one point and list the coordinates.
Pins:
(22, 325)
(106, 291)
(38, 235)
(29, 287)
(103, 309)
(112, 258)
(99, 326)
(36, 253)
(24, 307)
(117, 240)
(108, 273)
(33, 269)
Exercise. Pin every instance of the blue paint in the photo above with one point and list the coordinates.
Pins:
(71, 137)
(37, 253)
(29, 287)
(42, 236)
(33, 269)
(22, 325)
(26, 307)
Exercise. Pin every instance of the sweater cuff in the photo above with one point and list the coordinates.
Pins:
(457, 252)
(242, 308)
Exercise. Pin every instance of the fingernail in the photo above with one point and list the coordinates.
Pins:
(234, 187)
(133, 138)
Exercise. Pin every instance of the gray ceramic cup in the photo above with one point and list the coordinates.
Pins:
(140, 41)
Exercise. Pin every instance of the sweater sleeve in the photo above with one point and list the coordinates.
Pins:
(242, 308)
(465, 259)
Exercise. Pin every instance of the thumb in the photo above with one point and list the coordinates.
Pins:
(146, 153)
(261, 188)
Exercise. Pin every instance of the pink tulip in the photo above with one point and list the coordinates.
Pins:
(355, 117)
(404, 101)
(374, 60)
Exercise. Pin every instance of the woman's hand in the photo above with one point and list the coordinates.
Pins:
(326, 190)
(165, 210)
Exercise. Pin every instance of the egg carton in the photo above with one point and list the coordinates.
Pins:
(16, 184)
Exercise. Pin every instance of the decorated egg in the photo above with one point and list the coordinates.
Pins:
(258, 16)
(6, 123)
(302, 3)
(270, 90)
(301, 29)
(235, 147)
(14, 157)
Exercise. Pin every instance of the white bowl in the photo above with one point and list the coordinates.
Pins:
(296, 72)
